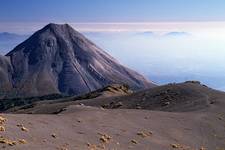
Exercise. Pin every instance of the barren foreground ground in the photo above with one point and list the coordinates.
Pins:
(83, 127)
(187, 116)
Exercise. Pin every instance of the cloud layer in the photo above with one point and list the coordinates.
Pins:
(207, 28)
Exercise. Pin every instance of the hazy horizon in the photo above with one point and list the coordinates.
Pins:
(162, 53)
(167, 41)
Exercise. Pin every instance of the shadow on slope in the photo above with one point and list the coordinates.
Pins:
(183, 97)
(16, 104)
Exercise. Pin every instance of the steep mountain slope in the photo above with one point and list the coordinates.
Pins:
(58, 59)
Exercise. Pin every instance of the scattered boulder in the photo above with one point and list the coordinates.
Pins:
(19, 125)
(54, 135)
(7, 141)
(2, 120)
(95, 147)
(2, 128)
(24, 129)
(202, 148)
(165, 103)
(144, 134)
(105, 138)
(22, 141)
(134, 141)
(175, 145)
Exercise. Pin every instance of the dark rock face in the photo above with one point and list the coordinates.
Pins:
(5, 75)
(58, 59)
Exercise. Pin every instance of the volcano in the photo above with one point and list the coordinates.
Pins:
(58, 59)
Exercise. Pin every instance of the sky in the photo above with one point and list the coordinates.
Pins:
(111, 10)
(135, 32)
(26, 16)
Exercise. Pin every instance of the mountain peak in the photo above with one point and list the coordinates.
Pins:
(48, 35)
(57, 26)
(58, 59)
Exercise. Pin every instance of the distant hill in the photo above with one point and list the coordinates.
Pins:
(147, 33)
(183, 97)
(177, 34)
(14, 104)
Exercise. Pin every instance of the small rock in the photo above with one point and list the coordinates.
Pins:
(7, 141)
(138, 107)
(19, 125)
(54, 135)
(105, 138)
(2, 120)
(88, 144)
(220, 118)
(79, 132)
(202, 148)
(144, 134)
(2, 128)
(175, 145)
(212, 102)
(22, 141)
(24, 129)
(81, 104)
(146, 117)
(12, 143)
(134, 141)
(166, 104)
(105, 105)
(92, 146)
(117, 105)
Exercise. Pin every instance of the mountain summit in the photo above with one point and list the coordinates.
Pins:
(58, 59)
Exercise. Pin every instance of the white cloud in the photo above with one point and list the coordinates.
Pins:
(199, 28)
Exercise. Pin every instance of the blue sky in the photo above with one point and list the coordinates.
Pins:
(111, 10)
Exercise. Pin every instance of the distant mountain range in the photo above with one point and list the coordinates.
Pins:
(165, 35)
(177, 34)
(58, 59)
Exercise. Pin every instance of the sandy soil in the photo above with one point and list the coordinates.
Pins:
(83, 127)
(186, 116)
